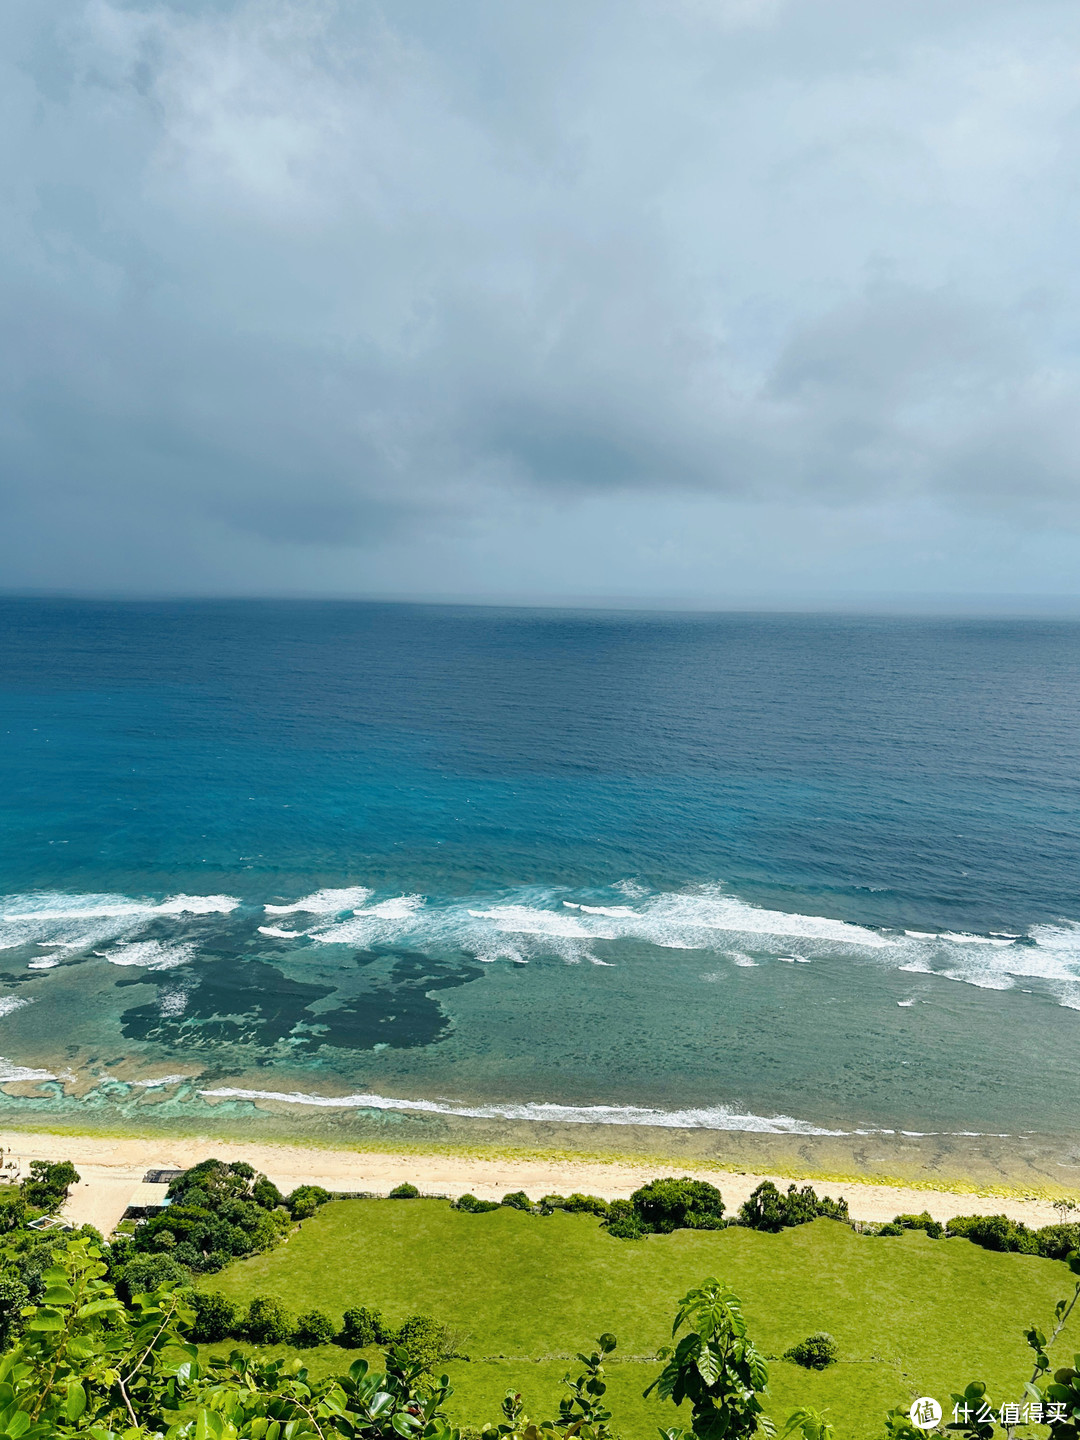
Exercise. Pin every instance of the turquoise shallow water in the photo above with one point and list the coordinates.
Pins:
(791, 874)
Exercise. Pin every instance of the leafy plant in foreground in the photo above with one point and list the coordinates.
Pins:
(715, 1366)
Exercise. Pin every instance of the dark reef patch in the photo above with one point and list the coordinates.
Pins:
(233, 1001)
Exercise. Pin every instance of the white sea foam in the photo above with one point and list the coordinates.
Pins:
(11, 1072)
(276, 933)
(719, 1117)
(43, 962)
(160, 1080)
(324, 902)
(10, 1003)
(151, 954)
(80, 922)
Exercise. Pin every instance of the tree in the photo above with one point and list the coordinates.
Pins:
(404, 1192)
(361, 1327)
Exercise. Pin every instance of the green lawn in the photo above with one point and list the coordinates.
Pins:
(912, 1316)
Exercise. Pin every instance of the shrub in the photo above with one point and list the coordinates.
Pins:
(305, 1200)
(267, 1322)
(424, 1340)
(14, 1294)
(146, 1272)
(899, 1223)
(816, 1352)
(313, 1328)
(996, 1232)
(1058, 1241)
(666, 1205)
(216, 1317)
(361, 1327)
(772, 1210)
(578, 1204)
(623, 1221)
(265, 1193)
(472, 1206)
(517, 1200)
(12, 1208)
(404, 1192)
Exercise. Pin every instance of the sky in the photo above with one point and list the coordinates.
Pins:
(711, 300)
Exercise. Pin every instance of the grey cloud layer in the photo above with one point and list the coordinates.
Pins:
(323, 274)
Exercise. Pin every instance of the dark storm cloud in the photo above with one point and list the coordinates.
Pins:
(310, 275)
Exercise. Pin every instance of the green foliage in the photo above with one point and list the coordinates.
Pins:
(816, 1352)
(265, 1193)
(305, 1200)
(424, 1340)
(14, 1294)
(715, 1365)
(216, 1213)
(666, 1205)
(87, 1359)
(267, 1321)
(1057, 1242)
(216, 1317)
(773, 1210)
(623, 1222)
(362, 1326)
(996, 1232)
(810, 1424)
(404, 1192)
(145, 1272)
(472, 1206)
(48, 1185)
(517, 1200)
(578, 1204)
(313, 1327)
(582, 1413)
(12, 1208)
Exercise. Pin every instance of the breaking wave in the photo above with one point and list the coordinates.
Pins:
(718, 1117)
(534, 923)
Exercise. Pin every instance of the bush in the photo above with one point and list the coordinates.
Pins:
(996, 1232)
(424, 1340)
(313, 1328)
(361, 1327)
(623, 1221)
(267, 1322)
(924, 1222)
(1058, 1241)
(404, 1192)
(578, 1204)
(305, 1200)
(772, 1210)
(146, 1272)
(816, 1352)
(517, 1200)
(12, 1208)
(216, 1317)
(666, 1205)
(472, 1206)
(265, 1193)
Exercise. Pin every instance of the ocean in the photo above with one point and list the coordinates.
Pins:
(780, 874)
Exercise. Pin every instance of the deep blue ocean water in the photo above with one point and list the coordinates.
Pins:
(742, 871)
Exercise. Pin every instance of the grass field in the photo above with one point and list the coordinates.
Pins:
(911, 1316)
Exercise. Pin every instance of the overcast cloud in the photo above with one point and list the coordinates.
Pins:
(650, 297)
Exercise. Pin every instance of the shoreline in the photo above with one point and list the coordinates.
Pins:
(112, 1166)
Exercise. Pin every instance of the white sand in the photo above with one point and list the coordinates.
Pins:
(112, 1170)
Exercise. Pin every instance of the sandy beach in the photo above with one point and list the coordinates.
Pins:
(113, 1168)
